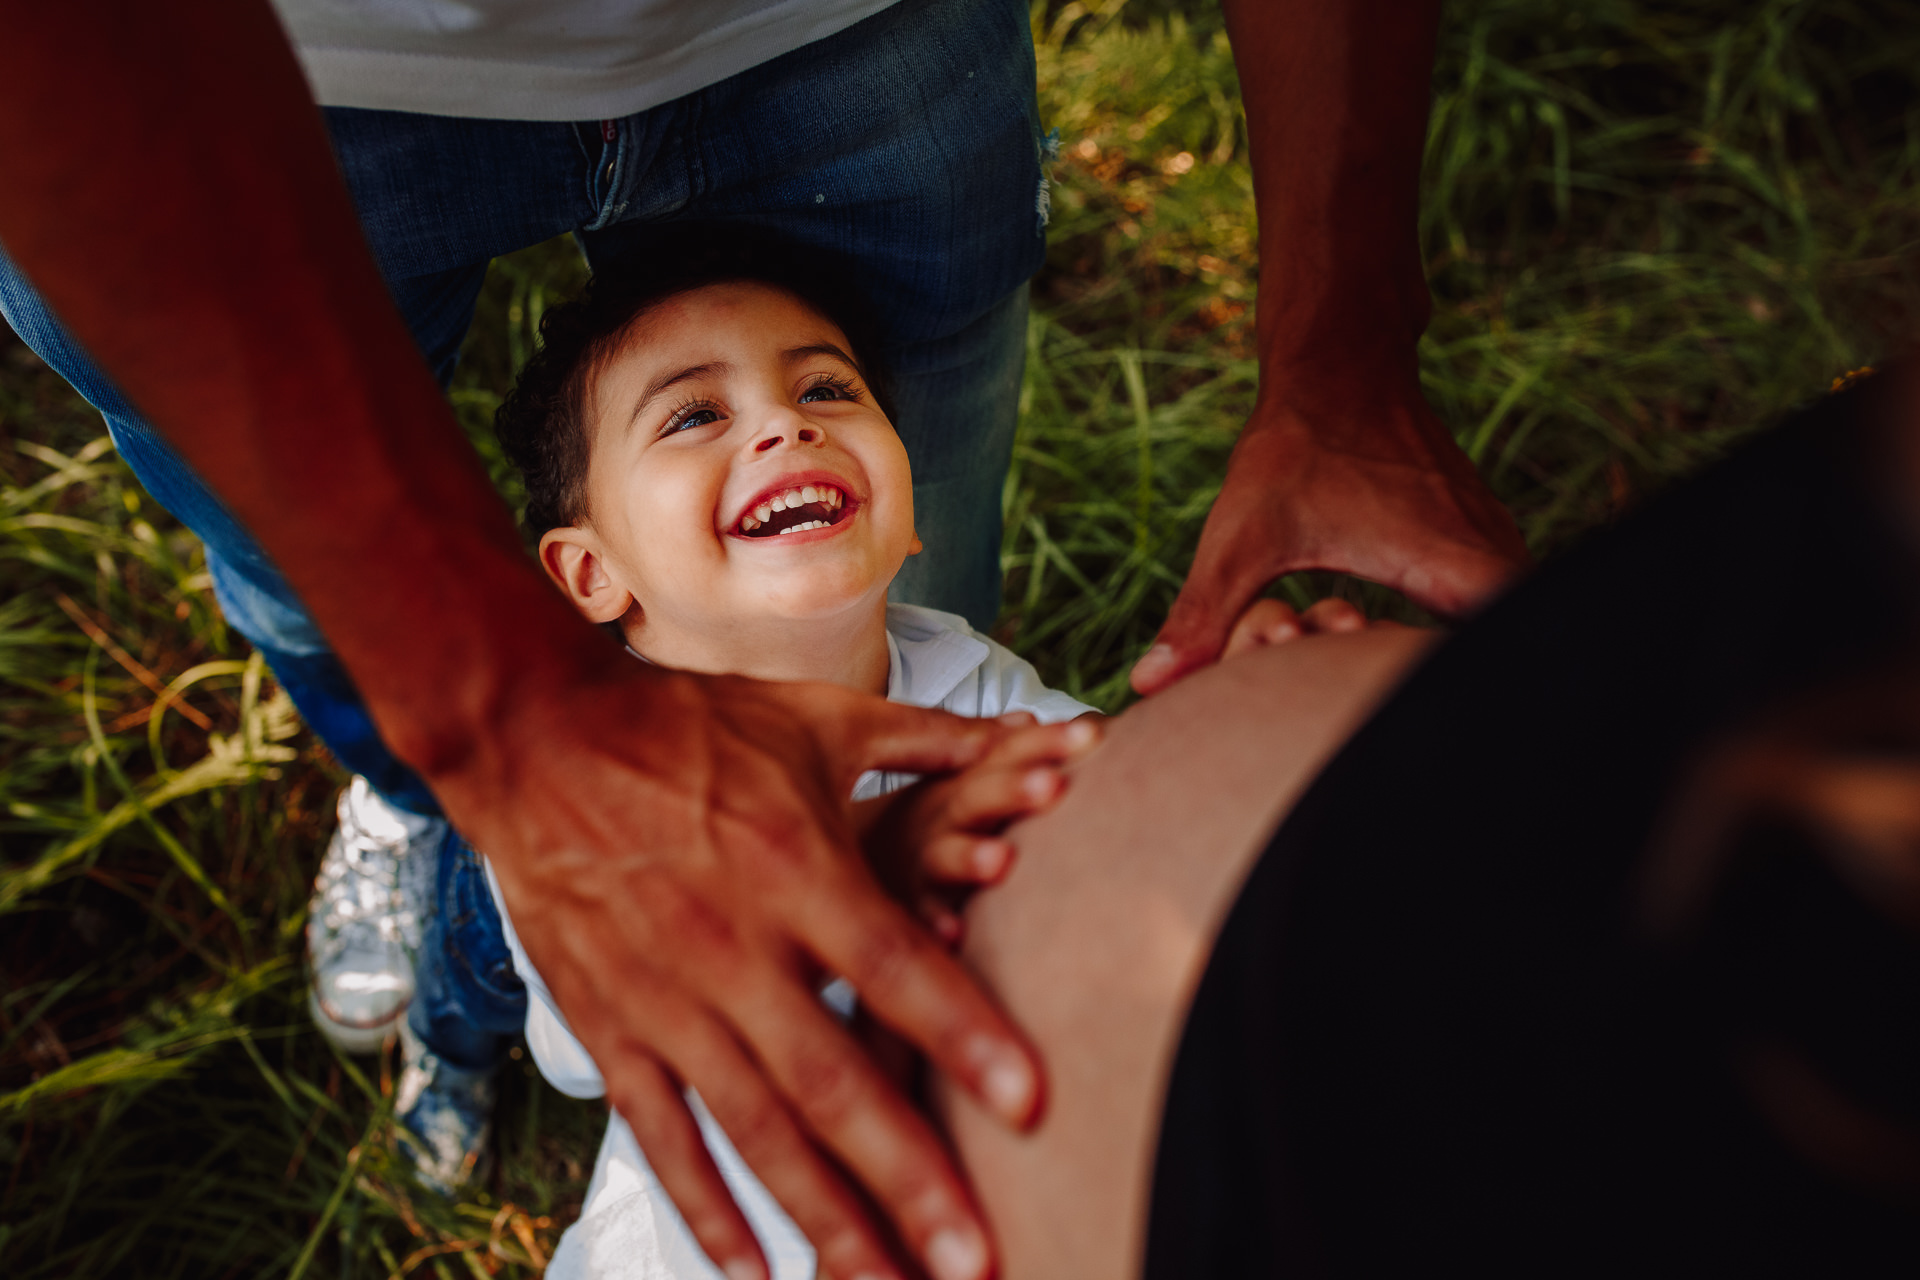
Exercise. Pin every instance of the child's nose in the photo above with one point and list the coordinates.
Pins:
(805, 435)
(788, 427)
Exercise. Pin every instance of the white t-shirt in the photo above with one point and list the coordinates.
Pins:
(544, 59)
(628, 1228)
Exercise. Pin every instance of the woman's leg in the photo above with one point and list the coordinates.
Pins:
(1098, 936)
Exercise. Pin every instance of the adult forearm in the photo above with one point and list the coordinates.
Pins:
(1336, 95)
(672, 845)
(171, 191)
(1342, 464)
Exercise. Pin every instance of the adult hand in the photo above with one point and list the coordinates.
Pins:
(1343, 465)
(675, 849)
(932, 843)
(682, 887)
(1391, 498)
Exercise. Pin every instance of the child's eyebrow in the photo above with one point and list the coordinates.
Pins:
(823, 349)
(713, 368)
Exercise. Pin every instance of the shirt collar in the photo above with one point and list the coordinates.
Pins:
(925, 664)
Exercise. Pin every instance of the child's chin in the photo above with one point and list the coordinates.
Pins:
(799, 601)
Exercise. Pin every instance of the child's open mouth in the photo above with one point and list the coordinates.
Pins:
(795, 510)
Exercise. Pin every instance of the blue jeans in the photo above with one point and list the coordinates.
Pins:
(908, 144)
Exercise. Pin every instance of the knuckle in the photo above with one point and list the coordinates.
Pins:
(948, 854)
(635, 1092)
(830, 1090)
(711, 1224)
(883, 962)
(843, 1249)
(761, 1127)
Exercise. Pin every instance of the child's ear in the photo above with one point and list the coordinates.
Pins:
(573, 558)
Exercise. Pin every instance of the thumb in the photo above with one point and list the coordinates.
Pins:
(1196, 630)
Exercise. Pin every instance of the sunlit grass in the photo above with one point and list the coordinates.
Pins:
(1647, 232)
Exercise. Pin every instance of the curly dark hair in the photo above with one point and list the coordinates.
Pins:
(543, 424)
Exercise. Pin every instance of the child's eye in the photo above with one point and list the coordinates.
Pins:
(830, 389)
(693, 415)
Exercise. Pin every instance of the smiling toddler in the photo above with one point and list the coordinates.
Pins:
(712, 472)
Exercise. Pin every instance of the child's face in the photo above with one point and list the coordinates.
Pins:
(720, 405)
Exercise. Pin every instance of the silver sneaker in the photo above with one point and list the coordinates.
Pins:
(363, 924)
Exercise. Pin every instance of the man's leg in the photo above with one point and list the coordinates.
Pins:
(438, 199)
(958, 401)
(252, 594)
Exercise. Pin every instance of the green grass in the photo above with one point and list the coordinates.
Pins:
(1647, 233)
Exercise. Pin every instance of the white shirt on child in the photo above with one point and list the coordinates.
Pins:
(628, 1228)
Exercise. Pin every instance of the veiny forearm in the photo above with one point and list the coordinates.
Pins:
(1336, 95)
(171, 191)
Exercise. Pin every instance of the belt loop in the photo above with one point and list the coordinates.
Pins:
(609, 161)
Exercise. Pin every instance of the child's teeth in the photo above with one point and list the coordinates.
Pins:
(828, 496)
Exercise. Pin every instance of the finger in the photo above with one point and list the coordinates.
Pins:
(651, 1104)
(916, 988)
(1043, 744)
(991, 798)
(960, 858)
(648, 1097)
(875, 734)
(1333, 615)
(894, 1056)
(849, 1106)
(941, 920)
(1265, 622)
(773, 1142)
(1224, 579)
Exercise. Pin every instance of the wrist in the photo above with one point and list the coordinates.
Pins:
(1373, 392)
(1353, 316)
(445, 623)
(477, 661)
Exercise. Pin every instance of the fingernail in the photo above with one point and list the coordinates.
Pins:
(957, 1253)
(1154, 663)
(1007, 1084)
(1042, 784)
(744, 1269)
(990, 858)
(1082, 733)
